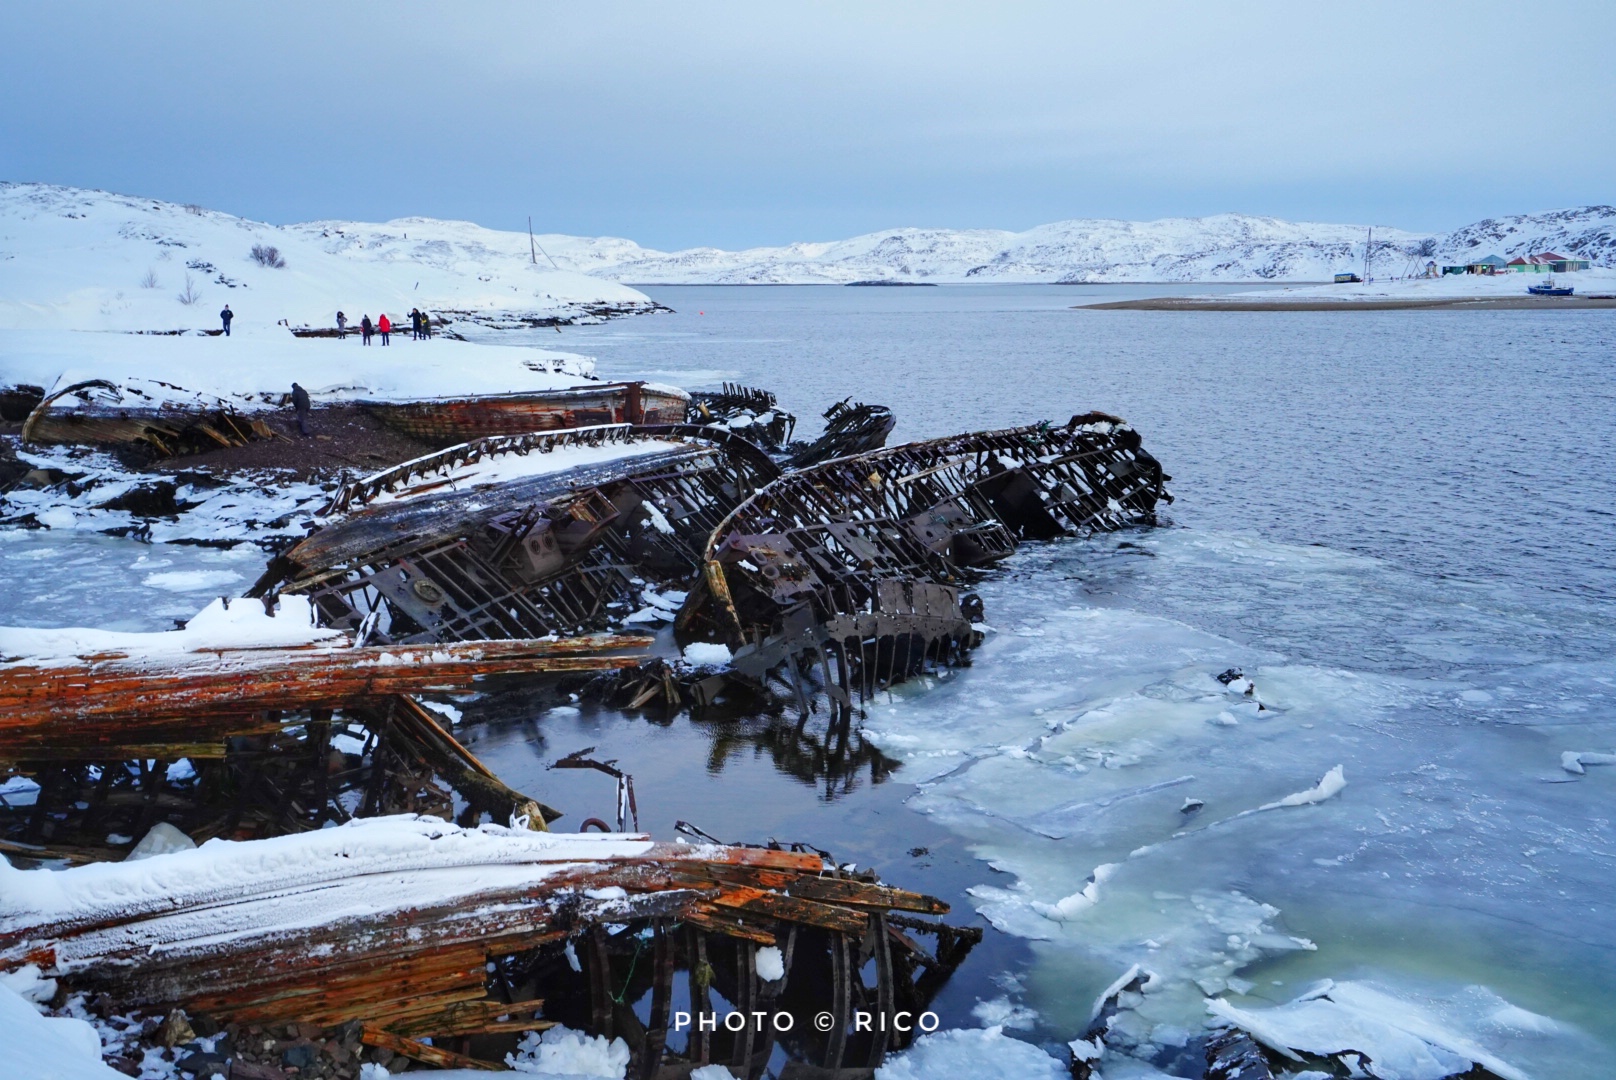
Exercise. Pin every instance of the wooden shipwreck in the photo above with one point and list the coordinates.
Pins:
(416, 929)
(166, 420)
(846, 577)
(453, 420)
(274, 739)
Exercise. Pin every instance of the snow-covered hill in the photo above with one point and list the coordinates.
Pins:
(82, 259)
(90, 260)
(1586, 232)
(1227, 247)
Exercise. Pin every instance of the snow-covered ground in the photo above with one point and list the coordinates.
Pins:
(255, 367)
(90, 260)
(1597, 281)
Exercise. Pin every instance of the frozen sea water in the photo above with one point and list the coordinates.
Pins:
(1398, 524)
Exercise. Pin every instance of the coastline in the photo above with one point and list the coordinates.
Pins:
(1510, 303)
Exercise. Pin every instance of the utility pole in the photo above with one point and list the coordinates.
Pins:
(533, 244)
(1368, 245)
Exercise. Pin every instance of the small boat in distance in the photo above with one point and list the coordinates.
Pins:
(1549, 288)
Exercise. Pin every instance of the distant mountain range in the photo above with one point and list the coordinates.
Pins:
(71, 257)
(1225, 247)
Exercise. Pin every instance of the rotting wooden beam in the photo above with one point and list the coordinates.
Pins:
(420, 1051)
(124, 690)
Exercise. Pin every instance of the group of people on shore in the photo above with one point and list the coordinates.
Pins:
(420, 326)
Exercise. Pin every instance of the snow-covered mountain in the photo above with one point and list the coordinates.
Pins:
(1226, 247)
(1585, 232)
(90, 260)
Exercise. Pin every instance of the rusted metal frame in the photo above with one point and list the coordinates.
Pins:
(442, 752)
(746, 992)
(363, 491)
(599, 966)
(881, 946)
(842, 974)
(700, 1045)
(656, 1028)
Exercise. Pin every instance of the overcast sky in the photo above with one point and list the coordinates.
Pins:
(758, 123)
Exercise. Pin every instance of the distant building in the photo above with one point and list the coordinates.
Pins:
(1490, 264)
(1546, 262)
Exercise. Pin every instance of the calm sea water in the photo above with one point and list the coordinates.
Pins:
(1399, 523)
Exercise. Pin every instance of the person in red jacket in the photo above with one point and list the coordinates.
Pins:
(383, 327)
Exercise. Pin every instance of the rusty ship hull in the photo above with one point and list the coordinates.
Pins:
(462, 419)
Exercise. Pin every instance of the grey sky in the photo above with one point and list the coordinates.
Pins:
(751, 123)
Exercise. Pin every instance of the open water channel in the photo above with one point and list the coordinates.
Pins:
(1398, 524)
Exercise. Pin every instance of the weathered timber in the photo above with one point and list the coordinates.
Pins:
(458, 419)
(317, 929)
(112, 699)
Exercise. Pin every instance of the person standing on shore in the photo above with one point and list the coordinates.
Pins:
(225, 316)
(342, 326)
(415, 324)
(365, 329)
(300, 405)
(384, 327)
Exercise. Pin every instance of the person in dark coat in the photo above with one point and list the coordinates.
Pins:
(384, 326)
(415, 324)
(300, 404)
(342, 326)
(365, 329)
(225, 316)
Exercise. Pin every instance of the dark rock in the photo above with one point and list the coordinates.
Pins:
(202, 1064)
(301, 1054)
(147, 500)
(247, 1070)
(42, 478)
(1233, 1055)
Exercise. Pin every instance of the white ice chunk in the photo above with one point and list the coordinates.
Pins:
(1400, 1038)
(565, 1052)
(48, 1048)
(1077, 903)
(1572, 761)
(1331, 784)
(29, 984)
(770, 964)
(161, 840)
(1004, 1013)
(978, 1053)
(705, 654)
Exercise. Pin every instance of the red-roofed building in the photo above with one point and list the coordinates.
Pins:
(1545, 262)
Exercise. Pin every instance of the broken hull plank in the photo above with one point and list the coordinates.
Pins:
(460, 419)
(43, 704)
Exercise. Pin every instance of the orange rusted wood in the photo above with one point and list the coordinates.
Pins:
(461, 419)
(420, 1051)
(38, 700)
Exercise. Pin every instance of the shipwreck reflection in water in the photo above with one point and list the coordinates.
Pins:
(832, 757)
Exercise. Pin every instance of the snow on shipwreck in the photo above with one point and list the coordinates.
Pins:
(176, 394)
